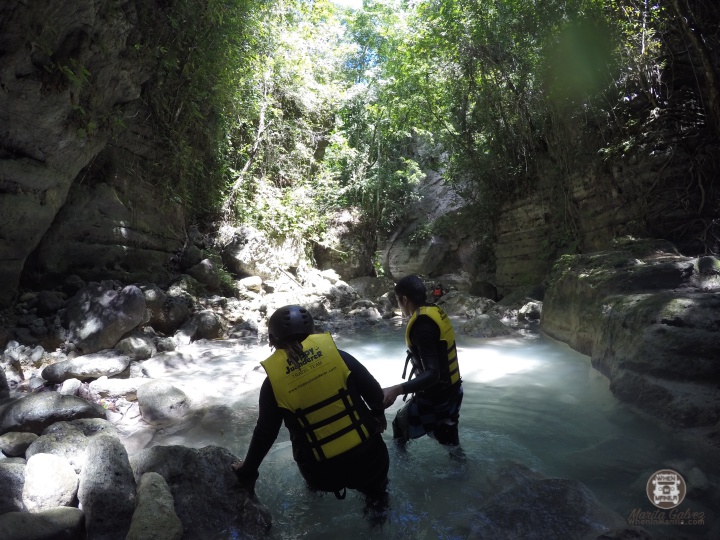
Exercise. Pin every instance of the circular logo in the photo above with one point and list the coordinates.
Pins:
(666, 488)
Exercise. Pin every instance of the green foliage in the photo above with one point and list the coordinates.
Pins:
(278, 114)
(201, 50)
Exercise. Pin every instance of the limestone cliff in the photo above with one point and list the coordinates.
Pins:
(74, 139)
(647, 317)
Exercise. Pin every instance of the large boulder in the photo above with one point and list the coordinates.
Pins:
(12, 480)
(524, 504)
(161, 403)
(101, 313)
(107, 489)
(56, 523)
(249, 252)
(50, 481)
(647, 318)
(203, 325)
(34, 412)
(89, 366)
(154, 517)
(485, 326)
(458, 303)
(345, 248)
(208, 498)
(14, 444)
(166, 312)
(69, 440)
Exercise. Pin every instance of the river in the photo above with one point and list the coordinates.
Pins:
(528, 399)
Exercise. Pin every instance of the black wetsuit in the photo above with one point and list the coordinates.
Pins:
(363, 468)
(431, 394)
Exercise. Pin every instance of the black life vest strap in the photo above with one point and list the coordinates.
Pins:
(309, 428)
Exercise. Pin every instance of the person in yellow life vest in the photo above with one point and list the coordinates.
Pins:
(434, 378)
(332, 407)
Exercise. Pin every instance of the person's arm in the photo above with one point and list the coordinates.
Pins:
(266, 431)
(367, 386)
(425, 335)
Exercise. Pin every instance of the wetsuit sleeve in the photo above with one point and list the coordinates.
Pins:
(425, 335)
(365, 383)
(266, 431)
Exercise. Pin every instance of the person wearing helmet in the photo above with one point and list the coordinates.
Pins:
(434, 379)
(330, 404)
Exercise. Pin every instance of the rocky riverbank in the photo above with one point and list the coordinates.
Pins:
(648, 318)
(81, 394)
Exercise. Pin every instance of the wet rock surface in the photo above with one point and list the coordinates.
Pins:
(648, 318)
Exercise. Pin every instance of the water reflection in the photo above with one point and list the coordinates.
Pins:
(530, 400)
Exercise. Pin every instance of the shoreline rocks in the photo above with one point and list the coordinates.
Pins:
(647, 317)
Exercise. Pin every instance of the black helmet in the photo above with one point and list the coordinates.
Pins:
(288, 324)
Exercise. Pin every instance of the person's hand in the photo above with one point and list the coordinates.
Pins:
(382, 422)
(390, 394)
(246, 481)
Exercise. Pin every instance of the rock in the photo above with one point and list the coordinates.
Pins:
(72, 284)
(69, 440)
(531, 311)
(154, 517)
(526, 505)
(50, 481)
(161, 403)
(190, 256)
(69, 387)
(249, 252)
(646, 318)
(35, 384)
(107, 489)
(137, 346)
(12, 479)
(457, 303)
(344, 248)
(208, 498)
(56, 523)
(371, 287)
(202, 325)
(484, 289)
(369, 313)
(4, 387)
(116, 388)
(34, 412)
(165, 344)
(14, 444)
(49, 302)
(172, 313)
(89, 366)
(341, 295)
(485, 326)
(251, 283)
(98, 316)
(207, 273)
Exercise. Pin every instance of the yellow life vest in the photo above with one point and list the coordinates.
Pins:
(317, 394)
(450, 370)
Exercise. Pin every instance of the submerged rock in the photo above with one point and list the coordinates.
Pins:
(521, 503)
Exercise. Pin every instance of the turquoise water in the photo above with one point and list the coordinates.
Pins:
(529, 400)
